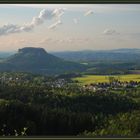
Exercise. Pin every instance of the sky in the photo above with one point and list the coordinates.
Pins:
(69, 27)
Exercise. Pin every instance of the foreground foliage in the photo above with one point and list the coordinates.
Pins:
(124, 124)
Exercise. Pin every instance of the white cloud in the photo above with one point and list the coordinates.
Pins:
(54, 25)
(58, 12)
(75, 20)
(38, 20)
(9, 28)
(110, 32)
(89, 12)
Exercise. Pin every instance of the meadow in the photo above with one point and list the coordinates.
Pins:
(87, 79)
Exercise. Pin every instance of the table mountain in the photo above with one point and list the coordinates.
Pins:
(37, 60)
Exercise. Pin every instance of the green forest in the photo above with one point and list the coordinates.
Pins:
(36, 105)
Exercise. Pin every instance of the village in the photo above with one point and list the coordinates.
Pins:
(115, 85)
(17, 79)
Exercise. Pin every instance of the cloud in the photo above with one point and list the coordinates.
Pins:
(58, 12)
(89, 12)
(54, 25)
(65, 40)
(110, 32)
(75, 20)
(9, 28)
(38, 20)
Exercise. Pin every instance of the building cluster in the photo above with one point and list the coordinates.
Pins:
(113, 85)
(57, 83)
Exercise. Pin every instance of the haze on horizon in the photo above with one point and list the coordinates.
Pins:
(69, 27)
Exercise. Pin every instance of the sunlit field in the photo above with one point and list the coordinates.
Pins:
(87, 79)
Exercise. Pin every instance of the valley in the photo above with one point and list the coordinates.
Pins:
(70, 71)
(74, 98)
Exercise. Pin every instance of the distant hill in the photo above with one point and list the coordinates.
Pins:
(37, 60)
(125, 55)
(5, 54)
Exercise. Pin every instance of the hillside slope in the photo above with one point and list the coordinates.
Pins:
(37, 60)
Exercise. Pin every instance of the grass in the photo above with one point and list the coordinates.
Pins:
(87, 79)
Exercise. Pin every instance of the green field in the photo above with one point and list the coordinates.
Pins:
(87, 79)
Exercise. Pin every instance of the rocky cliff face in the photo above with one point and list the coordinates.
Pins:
(36, 51)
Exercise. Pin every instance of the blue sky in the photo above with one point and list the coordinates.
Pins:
(69, 27)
